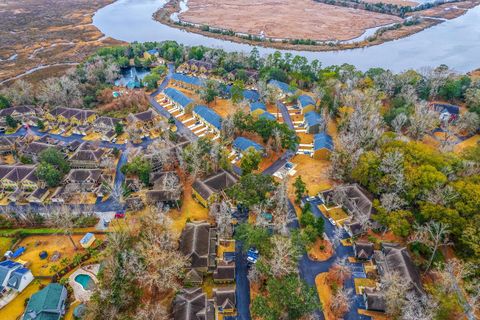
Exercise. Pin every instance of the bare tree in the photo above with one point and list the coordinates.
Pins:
(468, 123)
(442, 195)
(151, 311)
(63, 217)
(433, 234)
(341, 302)
(284, 256)
(418, 307)
(385, 82)
(393, 290)
(422, 121)
(399, 122)
(391, 201)
(339, 272)
(223, 217)
(63, 91)
(20, 92)
(254, 275)
(281, 211)
(392, 167)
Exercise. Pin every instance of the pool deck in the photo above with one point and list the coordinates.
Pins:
(79, 292)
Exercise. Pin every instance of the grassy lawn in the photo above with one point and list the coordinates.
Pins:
(15, 309)
(223, 247)
(50, 244)
(470, 142)
(364, 283)
(314, 173)
(324, 294)
(46, 231)
(317, 254)
(5, 244)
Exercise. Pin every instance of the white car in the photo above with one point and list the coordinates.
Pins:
(310, 198)
(332, 221)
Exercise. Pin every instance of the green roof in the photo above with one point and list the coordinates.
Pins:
(46, 299)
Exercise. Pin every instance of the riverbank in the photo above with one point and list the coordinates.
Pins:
(394, 31)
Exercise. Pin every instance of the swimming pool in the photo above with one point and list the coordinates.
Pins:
(86, 281)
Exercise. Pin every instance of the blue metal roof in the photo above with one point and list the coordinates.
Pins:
(153, 51)
(251, 95)
(86, 238)
(257, 105)
(306, 100)
(243, 144)
(178, 97)
(322, 141)
(312, 118)
(9, 264)
(187, 79)
(209, 115)
(282, 86)
(268, 116)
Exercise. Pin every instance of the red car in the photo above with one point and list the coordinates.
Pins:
(119, 215)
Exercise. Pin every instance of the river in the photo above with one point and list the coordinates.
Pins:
(455, 43)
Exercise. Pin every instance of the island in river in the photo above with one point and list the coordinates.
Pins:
(305, 25)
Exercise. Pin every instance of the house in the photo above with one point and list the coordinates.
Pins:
(225, 300)
(196, 66)
(206, 191)
(14, 276)
(257, 108)
(87, 240)
(59, 195)
(7, 145)
(166, 189)
(144, 120)
(33, 149)
(178, 99)
(155, 197)
(374, 300)
(313, 122)
(224, 272)
(363, 250)
(24, 114)
(358, 204)
(48, 303)
(241, 145)
(306, 103)
(322, 146)
(151, 54)
(87, 156)
(187, 82)
(71, 116)
(84, 180)
(208, 117)
(447, 111)
(38, 196)
(284, 88)
(105, 124)
(393, 258)
(18, 177)
(198, 242)
(267, 116)
(193, 304)
(251, 75)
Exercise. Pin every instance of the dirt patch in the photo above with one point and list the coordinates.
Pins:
(321, 250)
(314, 173)
(303, 19)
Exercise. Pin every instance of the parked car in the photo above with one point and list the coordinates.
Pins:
(252, 255)
(332, 221)
(311, 198)
(119, 215)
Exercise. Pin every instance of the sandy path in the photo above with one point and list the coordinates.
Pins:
(301, 19)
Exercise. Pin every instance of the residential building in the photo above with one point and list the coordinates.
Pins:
(193, 304)
(198, 242)
(374, 300)
(322, 146)
(144, 120)
(84, 180)
(48, 303)
(187, 82)
(105, 124)
(88, 156)
(257, 108)
(206, 191)
(196, 66)
(284, 88)
(33, 149)
(14, 276)
(363, 250)
(149, 54)
(24, 114)
(306, 103)
(267, 116)
(225, 301)
(241, 145)
(178, 99)
(18, 177)
(313, 122)
(224, 272)
(393, 258)
(7, 145)
(71, 116)
(208, 117)
(39, 195)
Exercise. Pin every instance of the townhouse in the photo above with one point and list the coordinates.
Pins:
(322, 146)
(187, 82)
(178, 99)
(206, 191)
(305, 103)
(208, 117)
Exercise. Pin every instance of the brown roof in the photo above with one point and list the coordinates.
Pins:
(36, 147)
(364, 250)
(374, 300)
(214, 183)
(192, 304)
(20, 109)
(155, 196)
(195, 243)
(148, 115)
(225, 271)
(84, 175)
(68, 113)
(19, 173)
(106, 121)
(225, 297)
(87, 152)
